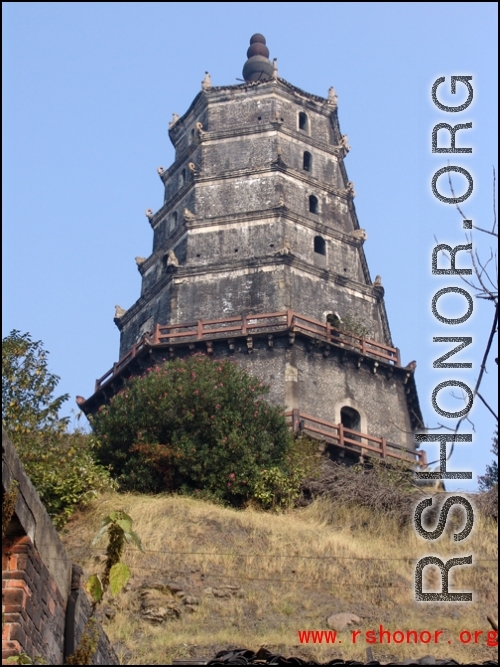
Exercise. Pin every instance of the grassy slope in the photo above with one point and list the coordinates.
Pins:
(294, 570)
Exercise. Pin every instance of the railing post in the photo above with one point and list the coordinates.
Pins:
(341, 435)
(156, 335)
(398, 357)
(363, 346)
(328, 332)
(244, 324)
(422, 455)
(295, 419)
(384, 448)
(289, 318)
(199, 331)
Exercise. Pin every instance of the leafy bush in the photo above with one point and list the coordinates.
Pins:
(61, 465)
(63, 470)
(200, 426)
(280, 487)
(350, 324)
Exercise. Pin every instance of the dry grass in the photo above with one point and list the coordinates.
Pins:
(294, 569)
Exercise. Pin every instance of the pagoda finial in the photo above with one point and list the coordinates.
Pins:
(258, 67)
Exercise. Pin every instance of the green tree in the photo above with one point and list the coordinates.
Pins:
(28, 403)
(61, 465)
(490, 479)
(197, 425)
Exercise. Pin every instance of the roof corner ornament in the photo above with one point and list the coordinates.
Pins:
(350, 191)
(360, 235)
(207, 81)
(344, 144)
(188, 216)
(283, 251)
(149, 214)
(140, 261)
(119, 312)
(175, 118)
(275, 68)
(172, 261)
(333, 98)
(161, 171)
(378, 288)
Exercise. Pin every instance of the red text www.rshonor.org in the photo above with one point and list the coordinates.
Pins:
(383, 636)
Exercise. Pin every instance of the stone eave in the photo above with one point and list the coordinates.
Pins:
(267, 215)
(254, 264)
(377, 365)
(214, 91)
(238, 174)
(235, 131)
(176, 127)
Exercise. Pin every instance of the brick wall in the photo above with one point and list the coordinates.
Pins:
(34, 610)
(44, 607)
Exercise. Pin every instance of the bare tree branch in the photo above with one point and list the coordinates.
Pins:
(487, 405)
(481, 373)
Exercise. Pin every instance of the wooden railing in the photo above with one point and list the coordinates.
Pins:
(248, 325)
(346, 438)
(117, 367)
(241, 325)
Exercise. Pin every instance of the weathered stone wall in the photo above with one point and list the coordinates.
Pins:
(34, 609)
(37, 579)
(319, 380)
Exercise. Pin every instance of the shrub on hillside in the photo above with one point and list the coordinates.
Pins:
(384, 489)
(200, 426)
(63, 470)
(387, 490)
(60, 464)
(487, 503)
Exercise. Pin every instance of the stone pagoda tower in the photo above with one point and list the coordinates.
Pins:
(258, 255)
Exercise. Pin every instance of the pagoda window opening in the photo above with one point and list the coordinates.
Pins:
(303, 122)
(351, 419)
(313, 204)
(307, 161)
(173, 221)
(183, 177)
(320, 245)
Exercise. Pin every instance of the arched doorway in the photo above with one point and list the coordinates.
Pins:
(350, 418)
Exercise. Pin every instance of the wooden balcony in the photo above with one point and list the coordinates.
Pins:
(248, 326)
(350, 440)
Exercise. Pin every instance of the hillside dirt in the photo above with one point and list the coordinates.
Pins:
(213, 578)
